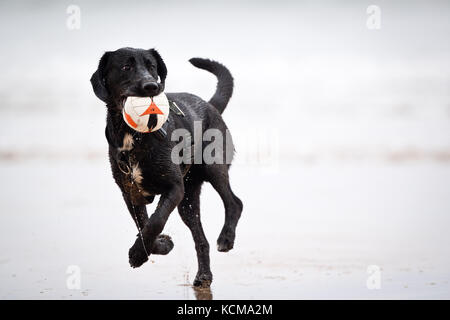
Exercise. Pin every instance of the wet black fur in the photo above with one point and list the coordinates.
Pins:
(135, 72)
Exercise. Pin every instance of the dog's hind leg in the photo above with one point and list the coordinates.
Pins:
(217, 175)
(189, 209)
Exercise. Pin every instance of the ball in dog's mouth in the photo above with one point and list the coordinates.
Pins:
(146, 114)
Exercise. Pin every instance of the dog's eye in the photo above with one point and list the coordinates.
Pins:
(126, 68)
(149, 65)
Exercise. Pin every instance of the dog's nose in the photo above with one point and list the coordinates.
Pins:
(150, 87)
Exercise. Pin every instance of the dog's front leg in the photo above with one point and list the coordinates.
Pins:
(168, 201)
(163, 244)
(138, 212)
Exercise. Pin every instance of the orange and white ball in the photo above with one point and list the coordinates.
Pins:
(145, 114)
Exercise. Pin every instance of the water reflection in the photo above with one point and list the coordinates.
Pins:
(203, 293)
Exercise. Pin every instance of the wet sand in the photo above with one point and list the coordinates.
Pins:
(303, 236)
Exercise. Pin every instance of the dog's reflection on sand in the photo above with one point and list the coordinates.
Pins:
(203, 293)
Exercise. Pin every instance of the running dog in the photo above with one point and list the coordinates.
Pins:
(141, 163)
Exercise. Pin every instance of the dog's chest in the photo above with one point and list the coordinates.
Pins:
(135, 166)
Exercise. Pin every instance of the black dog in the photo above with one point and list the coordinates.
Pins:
(141, 162)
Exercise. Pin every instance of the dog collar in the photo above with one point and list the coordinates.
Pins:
(162, 132)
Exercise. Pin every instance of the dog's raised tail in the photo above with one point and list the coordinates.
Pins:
(224, 89)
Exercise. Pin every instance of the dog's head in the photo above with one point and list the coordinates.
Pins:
(128, 72)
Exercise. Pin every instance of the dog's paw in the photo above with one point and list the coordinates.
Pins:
(162, 245)
(203, 279)
(137, 255)
(226, 240)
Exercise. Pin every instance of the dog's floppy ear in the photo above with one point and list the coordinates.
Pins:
(162, 70)
(98, 79)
